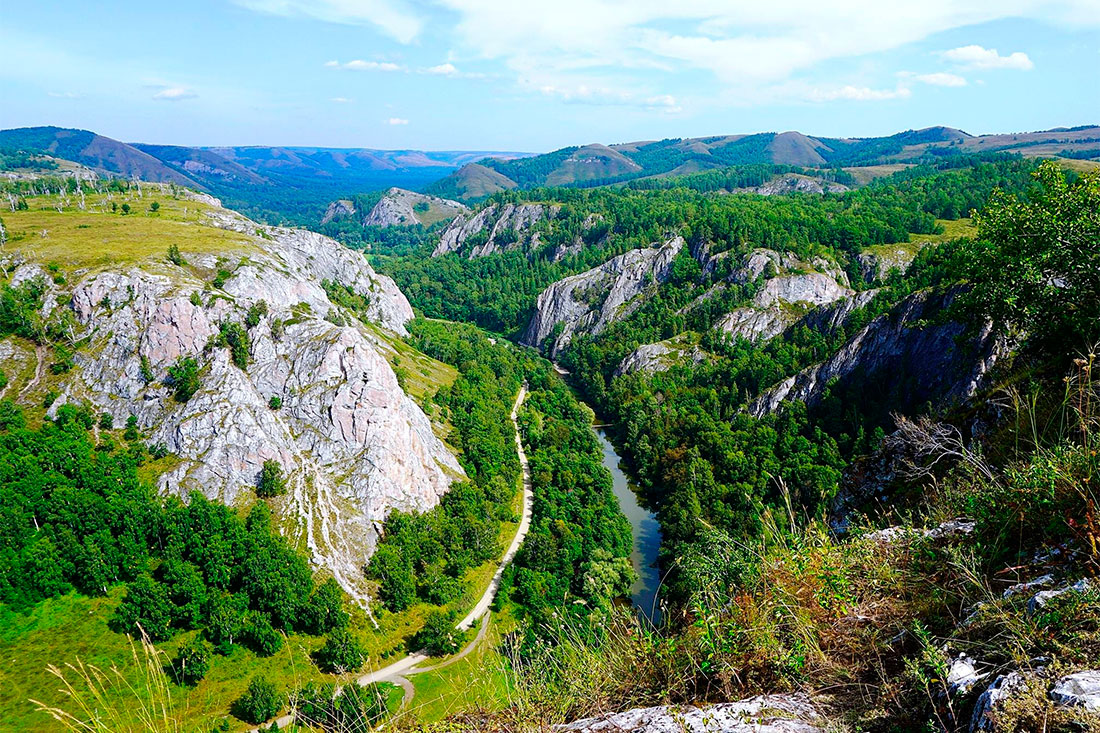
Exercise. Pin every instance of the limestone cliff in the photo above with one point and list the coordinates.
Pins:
(903, 354)
(352, 444)
(496, 228)
(590, 301)
(401, 208)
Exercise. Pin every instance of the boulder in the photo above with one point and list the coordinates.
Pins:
(1078, 690)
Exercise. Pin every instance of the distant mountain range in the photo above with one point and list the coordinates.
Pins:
(296, 184)
(598, 164)
(260, 180)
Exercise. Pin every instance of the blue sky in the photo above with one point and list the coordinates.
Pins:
(534, 75)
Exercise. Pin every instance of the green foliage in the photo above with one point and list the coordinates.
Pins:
(174, 255)
(255, 312)
(19, 310)
(260, 701)
(260, 635)
(438, 637)
(341, 653)
(154, 207)
(234, 336)
(1036, 265)
(191, 663)
(346, 296)
(347, 709)
(271, 481)
(183, 377)
(275, 403)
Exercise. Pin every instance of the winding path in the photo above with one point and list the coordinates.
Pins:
(399, 671)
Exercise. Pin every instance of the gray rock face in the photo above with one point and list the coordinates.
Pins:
(876, 265)
(338, 211)
(787, 282)
(397, 208)
(914, 362)
(1078, 690)
(763, 714)
(798, 184)
(590, 301)
(505, 227)
(353, 445)
(660, 357)
(993, 698)
(831, 318)
(1042, 599)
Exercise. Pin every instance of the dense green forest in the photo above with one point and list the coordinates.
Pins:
(498, 292)
(579, 542)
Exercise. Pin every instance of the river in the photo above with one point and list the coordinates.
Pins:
(646, 532)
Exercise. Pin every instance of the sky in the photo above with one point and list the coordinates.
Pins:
(535, 75)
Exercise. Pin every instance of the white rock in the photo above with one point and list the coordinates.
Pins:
(1043, 598)
(593, 300)
(1078, 690)
(763, 714)
(992, 699)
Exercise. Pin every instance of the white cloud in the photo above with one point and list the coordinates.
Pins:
(392, 17)
(977, 57)
(339, 100)
(397, 121)
(859, 94)
(64, 95)
(605, 97)
(174, 94)
(361, 65)
(941, 79)
(442, 69)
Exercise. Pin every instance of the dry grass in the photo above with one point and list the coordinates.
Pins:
(97, 237)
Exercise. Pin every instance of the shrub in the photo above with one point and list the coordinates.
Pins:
(341, 653)
(260, 701)
(234, 336)
(439, 637)
(275, 402)
(191, 663)
(184, 377)
(106, 421)
(174, 255)
(260, 635)
(271, 481)
(255, 313)
(132, 433)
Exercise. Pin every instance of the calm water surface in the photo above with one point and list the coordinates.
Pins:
(646, 531)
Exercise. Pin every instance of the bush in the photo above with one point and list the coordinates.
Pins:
(260, 635)
(184, 377)
(174, 255)
(106, 421)
(439, 637)
(275, 402)
(341, 653)
(234, 336)
(353, 708)
(255, 313)
(191, 663)
(260, 701)
(271, 481)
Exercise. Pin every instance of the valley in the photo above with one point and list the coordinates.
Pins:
(351, 478)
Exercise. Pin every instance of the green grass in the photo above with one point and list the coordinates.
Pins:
(98, 237)
(952, 229)
(479, 680)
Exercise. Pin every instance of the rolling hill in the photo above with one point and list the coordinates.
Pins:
(595, 164)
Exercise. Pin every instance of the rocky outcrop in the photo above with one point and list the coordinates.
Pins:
(401, 208)
(338, 211)
(911, 362)
(876, 264)
(496, 228)
(661, 356)
(762, 714)
(590, 301)
(789, 288)
(353, 445)
(1078, 690)
(797, 184)
(831, 318)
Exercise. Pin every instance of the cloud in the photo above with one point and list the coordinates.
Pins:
(977, 57)
(859, 94)
(64, 95)
(397, 121)
(605, 97)
(174, 94)
(360, 65)
(940, 79)
(392, 17)
(339, 100)
(442, 69)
